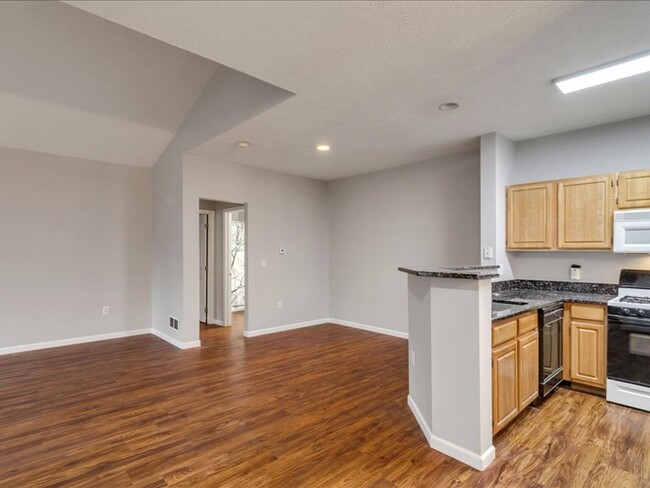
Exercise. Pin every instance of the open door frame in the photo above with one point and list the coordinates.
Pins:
(211, 315)
(227, 222)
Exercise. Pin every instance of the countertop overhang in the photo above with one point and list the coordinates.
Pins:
(454, 272)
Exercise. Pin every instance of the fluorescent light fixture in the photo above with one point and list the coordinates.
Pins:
(623, 68)
(323, 147)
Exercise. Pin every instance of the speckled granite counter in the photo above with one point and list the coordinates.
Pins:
(548, 294)
(458, 272)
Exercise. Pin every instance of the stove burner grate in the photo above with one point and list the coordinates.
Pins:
(639, 300)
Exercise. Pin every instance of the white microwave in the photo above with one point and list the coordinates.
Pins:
(632, 231)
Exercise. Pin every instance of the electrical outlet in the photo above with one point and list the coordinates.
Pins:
(106, 310)
(488, 253)
(280, 304)
(263, 263)
(412, 358)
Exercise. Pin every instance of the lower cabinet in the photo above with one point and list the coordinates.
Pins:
(515, 367)
(585, 342)
(528, 368)
(505, 404)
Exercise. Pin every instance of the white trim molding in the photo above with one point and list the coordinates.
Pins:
(175, 342)
(370, 328)
(325, 321)
(74, 340)
(479, 462)
(282, 328)
(424, 427)
(193, 344)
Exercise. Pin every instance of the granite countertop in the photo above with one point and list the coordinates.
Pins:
(536, 299)
(458, 272)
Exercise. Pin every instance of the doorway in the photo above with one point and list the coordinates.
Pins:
(222, 267)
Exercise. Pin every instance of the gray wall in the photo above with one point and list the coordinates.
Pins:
(75, 235)
(281, 211)
(604, 149)
(497, 160)
(419, 214)
(229, 99)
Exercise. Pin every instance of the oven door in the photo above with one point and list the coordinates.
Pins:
(628, 350)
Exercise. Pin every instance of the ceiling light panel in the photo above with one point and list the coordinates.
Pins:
(617, 70)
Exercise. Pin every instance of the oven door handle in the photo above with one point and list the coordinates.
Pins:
(630, 324)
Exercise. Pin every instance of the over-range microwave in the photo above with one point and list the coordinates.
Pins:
(632, 231)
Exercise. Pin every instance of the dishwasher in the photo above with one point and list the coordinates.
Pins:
(550, 351)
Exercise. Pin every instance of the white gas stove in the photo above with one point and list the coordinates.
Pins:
(628, 341)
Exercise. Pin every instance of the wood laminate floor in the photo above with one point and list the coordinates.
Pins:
(318, 407)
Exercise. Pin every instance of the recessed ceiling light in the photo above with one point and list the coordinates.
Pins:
(449, 106)
(322, 148)
(617, 70)
(243, 144)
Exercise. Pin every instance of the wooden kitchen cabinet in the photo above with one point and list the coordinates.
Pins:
(633, 189)
(505, 405)
(531, 214)
(585, 213)
(515, 367)
(585, 355)
(528, 368)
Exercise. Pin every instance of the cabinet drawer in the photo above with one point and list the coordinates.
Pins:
(588, 312)
(504, 331)
(527, 323)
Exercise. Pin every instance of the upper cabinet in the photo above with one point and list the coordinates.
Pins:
(634, 189)
(571, 214)
(585, 213)
(531, 209)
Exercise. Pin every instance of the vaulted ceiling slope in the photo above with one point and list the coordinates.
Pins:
(74, 84)
(369, 76)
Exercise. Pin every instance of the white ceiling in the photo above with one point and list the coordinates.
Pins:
(368, 76)
(76, 85)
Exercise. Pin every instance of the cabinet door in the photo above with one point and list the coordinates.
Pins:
(531, 216)
(504, 385)
(588, 353)
(585, 213)
(528, 358)
(634, 190)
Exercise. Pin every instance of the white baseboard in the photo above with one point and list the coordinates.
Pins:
(189, 345)
(370, 328)
(74, 340)
(175, 342)
(424, 427)
(345, 323)
(282, 328)
(476, 461)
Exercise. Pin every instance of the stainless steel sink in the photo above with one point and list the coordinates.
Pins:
(500, 307)
(511, 302)
(503, 305)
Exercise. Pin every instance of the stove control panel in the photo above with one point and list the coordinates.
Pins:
(628, 312)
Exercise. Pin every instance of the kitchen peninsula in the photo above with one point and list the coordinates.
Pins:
(450, 320)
